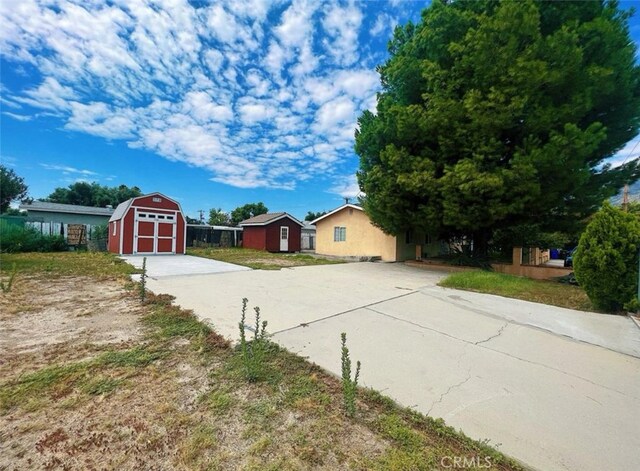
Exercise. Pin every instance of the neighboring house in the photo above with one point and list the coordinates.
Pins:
(148, 224)
(55, 218)
(347, 231)
(308, 241)
(274, 232)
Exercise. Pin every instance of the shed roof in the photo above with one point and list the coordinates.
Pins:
(344, 206)
(268, 218)
(121, 210)
(43, 206)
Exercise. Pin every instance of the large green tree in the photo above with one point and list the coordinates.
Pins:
(12, 188)
(93, 194)
(311, 215)
(497, 114)
(247, 211)
(218, 217)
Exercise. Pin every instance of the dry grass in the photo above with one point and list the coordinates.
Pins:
(260, 259)
(170, 394)
(537, 291)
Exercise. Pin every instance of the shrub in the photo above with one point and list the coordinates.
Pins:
(14, 238)
(349, 386)
(606, 260)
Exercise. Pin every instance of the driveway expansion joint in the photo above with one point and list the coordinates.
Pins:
(365, 306)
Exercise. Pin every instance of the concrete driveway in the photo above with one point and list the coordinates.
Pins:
(555, 388)
(181, 265)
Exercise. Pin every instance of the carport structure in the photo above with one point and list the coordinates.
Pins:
(148, 224)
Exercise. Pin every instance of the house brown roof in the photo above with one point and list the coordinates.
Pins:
(264, 219)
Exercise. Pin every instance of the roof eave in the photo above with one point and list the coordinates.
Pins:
(331, 213)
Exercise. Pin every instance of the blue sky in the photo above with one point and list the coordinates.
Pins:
(215, 104)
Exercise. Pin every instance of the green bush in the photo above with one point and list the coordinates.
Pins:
(606, 260)
(14, 238)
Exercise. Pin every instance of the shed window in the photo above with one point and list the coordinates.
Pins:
(339, 234)
(114, 228)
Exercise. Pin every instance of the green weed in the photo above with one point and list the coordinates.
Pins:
(349, 386)
(253, 352)
(143, 280)
(101, 386)
(6, 287)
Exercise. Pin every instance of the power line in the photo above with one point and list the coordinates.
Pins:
(634, 148)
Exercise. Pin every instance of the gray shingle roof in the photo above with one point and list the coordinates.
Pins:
(264, 219)
(66, 208)
(121, 210)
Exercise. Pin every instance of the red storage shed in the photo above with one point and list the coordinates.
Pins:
(149, 224)
(275, 232)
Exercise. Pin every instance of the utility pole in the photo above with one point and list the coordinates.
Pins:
(625, 198)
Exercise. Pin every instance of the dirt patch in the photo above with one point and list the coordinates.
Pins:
(68, 320)
(64, 318)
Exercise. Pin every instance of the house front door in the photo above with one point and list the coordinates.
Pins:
(284, 239)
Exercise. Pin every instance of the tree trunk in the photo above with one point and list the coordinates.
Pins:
(481, 239)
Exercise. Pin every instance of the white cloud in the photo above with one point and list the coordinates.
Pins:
(384, 25)
(246, 89)
(629, 152)
(18, 117)
(334, 114)
(347, 187)
(342, 24)
(65, 169)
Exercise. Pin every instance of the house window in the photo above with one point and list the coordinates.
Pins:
(408, 237)
(339, 234)
(114, 228)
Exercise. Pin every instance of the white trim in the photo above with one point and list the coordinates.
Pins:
(270, 221)
(156, 221)
(183, 249)
(344, 206)
(147, 208)
(286, 249)
(121, 232)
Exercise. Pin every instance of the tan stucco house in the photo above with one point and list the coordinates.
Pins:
(347, 231)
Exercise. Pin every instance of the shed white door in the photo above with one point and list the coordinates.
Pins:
(284, 239)
(154, 233)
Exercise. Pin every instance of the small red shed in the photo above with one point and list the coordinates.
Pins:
(149, 224)
(274, 232)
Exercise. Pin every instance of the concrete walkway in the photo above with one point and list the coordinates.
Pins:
(555, 388)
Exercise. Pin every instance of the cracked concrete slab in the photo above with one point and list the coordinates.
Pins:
(550, 415)
(609, 331)
(558, 389)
